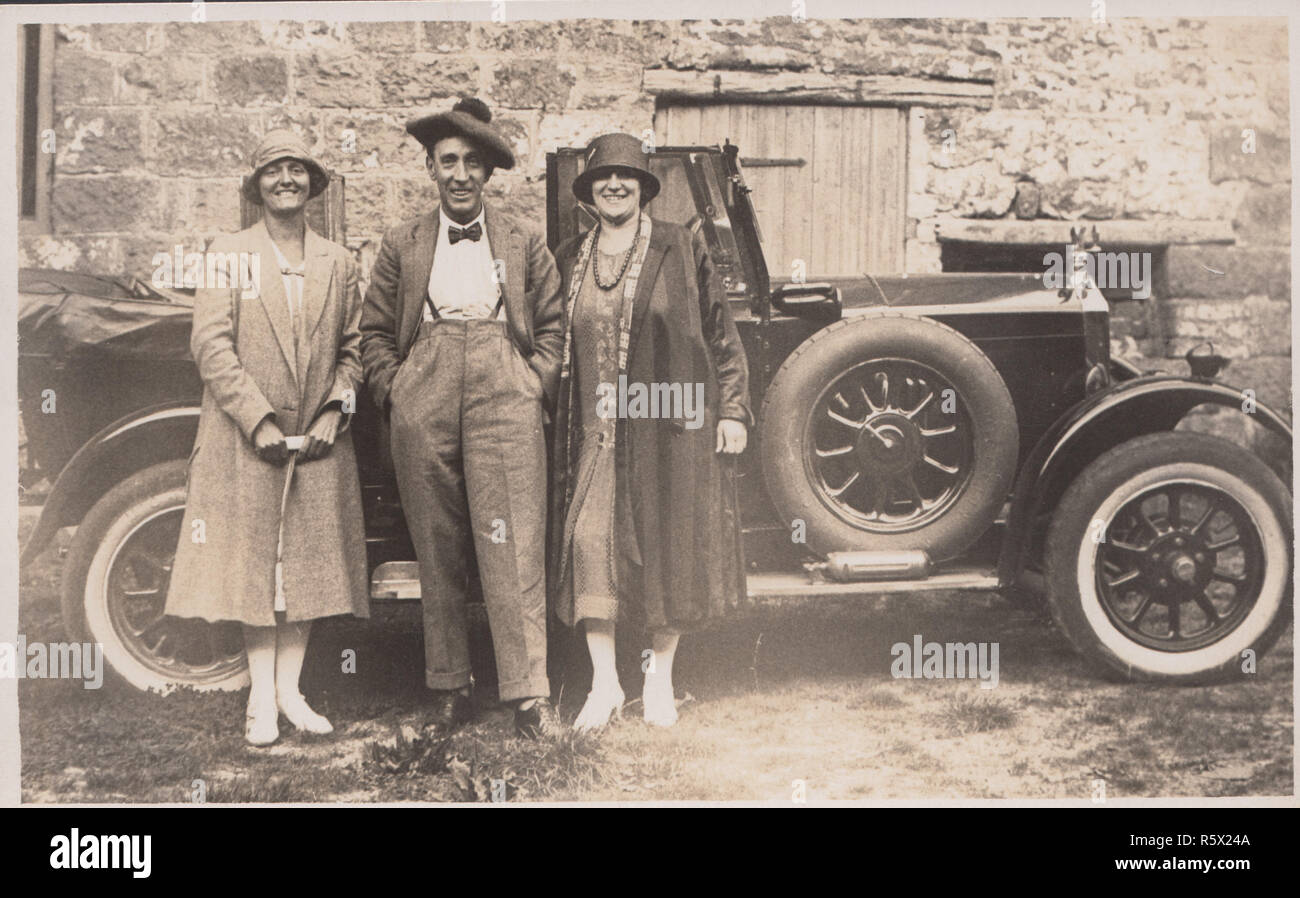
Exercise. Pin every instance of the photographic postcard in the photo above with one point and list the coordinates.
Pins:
(777, 403)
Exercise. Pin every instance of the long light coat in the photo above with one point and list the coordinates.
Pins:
(225, 559)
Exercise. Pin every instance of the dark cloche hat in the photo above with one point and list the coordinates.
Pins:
(616, 151)
(284, 144)
(469, 118)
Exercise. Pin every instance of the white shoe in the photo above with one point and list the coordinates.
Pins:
(599, 709)
(660, 706)
(261, 726)
(299, 713)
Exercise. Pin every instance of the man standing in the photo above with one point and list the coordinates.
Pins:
(461, 342)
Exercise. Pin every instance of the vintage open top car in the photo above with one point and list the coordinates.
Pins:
(915, 432)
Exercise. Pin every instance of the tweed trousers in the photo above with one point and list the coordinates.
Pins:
(470, 458)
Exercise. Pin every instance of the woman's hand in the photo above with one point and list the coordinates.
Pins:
(320, 438)
(732, 436)
(268, 442)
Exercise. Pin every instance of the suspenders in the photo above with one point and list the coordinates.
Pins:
(433, 310)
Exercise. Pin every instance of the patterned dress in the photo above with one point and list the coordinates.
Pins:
(596, 315)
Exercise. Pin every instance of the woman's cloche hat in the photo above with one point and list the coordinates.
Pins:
(616, 151)
(471, 119)
(284, 144)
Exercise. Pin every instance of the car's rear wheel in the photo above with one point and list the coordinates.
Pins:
(1169, 558)
(889, 432)
(114, 591)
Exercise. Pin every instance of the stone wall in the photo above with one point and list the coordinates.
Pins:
(1133, 119)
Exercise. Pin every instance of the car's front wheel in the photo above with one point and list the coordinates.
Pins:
(114, 591)
(1169, 558)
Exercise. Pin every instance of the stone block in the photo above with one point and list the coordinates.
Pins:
(213, 38)
(446, 36)
(412, 196)
(302, 120)
(1215, 271)
(519, 38)
(366, 141)
(81, 79)
(383, 37)
(128, 37)
(150, 80)
(1264, 216)
(532, 84)
(212, 206)
(425, 79)
(368, 202)
(1270, 163)
(249, 81)
(98, 140)
(111, 203)
(326, 79)
(324, 37)
(1238, 328)
(94, 255)
(604, 85)
(206, 144)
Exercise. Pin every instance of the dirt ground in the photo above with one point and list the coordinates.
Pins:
(787, 698)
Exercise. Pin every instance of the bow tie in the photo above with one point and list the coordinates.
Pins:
(473, 232)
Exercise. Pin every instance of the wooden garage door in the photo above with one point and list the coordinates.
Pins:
(829, 182)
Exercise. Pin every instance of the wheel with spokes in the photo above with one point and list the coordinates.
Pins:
(114, 591)
(889, 432)
(1169, 558)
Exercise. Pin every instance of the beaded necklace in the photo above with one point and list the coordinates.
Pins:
(627, 257)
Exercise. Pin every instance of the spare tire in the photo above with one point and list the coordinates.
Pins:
(886, 431)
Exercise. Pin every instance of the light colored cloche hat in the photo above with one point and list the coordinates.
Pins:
(284, 144)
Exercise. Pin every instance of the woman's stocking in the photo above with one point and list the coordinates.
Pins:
(606, 697)
(657, 694)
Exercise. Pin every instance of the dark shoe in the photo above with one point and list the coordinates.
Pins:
(539, 720)
(450, 709)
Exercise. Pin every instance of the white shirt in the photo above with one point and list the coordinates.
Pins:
(294, 278)
(461, 281)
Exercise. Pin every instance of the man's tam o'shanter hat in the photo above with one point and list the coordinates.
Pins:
(469, 118)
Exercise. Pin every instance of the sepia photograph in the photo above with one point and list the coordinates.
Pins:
(779, 403)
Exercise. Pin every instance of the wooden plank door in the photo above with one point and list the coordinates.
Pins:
(829, 182)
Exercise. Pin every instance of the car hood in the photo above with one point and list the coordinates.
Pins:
(897, 290)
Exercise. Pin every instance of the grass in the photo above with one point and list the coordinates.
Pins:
(784, 693)
(968, 712)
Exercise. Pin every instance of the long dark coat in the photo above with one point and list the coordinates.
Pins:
(230, 575)
(677, 493)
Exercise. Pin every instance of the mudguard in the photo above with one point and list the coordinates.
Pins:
(129, 444)
(1148, 404)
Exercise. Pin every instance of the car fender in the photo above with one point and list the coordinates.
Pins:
(131, 443)
(1128, 409)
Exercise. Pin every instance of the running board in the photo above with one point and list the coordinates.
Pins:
(781, 584)
(401, 580)
(396, 580)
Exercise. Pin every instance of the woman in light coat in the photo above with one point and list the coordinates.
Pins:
(279, 358)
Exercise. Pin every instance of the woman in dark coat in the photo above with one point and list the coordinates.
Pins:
(653, 406)
(278, 359)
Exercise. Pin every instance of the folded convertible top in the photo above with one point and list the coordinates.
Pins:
(70, 316)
